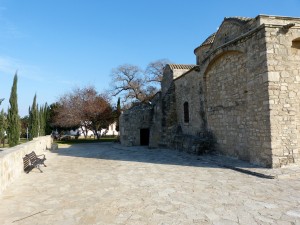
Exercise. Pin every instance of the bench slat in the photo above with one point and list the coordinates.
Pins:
(27, 164)
(32, 160)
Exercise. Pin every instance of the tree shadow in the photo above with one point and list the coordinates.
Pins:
(113, 151)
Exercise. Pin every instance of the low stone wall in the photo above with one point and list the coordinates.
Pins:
(11, 160)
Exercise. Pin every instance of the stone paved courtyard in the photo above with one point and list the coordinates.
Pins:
(109, 184)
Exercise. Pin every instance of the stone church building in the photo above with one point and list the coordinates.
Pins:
(241, 98)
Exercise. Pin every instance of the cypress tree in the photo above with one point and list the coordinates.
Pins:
(48, 128)
(33, 120)
(13, 116)
(42, 121)
(2, 127)
(118, 113)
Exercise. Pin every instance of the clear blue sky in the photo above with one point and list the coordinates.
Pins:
(59, 44)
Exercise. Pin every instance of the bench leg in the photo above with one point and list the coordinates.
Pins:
(38, 167)
(42, 161)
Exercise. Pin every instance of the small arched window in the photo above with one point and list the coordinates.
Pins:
(186, 112)
(296, 43)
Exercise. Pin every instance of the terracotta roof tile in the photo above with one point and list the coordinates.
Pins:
(209, 40)
(181, 66)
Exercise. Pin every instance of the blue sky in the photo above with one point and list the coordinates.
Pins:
(61, 44)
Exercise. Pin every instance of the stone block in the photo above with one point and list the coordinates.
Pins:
(273, 76)
(54, 146)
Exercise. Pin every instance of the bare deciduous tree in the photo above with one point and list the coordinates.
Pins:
(155, 70)
(84, 108)
(135, 85)
(128, 79)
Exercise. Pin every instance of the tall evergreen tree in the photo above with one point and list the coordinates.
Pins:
(41, 121)
(118, 113)
(13, 116)
(48, 118)
(33, 120)
(3, 127)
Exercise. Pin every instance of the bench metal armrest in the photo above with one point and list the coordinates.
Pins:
(41, 155)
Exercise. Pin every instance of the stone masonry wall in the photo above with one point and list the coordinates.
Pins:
(237, 100)
(156, 124)
(169, 116)
(167, 80)
(244, 95)
(132, 120)
(11, 160)
(284, 92)
(188, 90)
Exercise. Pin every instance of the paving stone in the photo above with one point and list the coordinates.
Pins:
(105, 183)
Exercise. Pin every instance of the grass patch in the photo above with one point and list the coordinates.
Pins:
(88, 140)
(22, 140)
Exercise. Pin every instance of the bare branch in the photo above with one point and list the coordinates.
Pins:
(154, 70)
(134, 85)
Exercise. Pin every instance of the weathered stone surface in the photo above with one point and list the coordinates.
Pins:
(245, 91)
(110, 184)
(132, 121)
(11, 159)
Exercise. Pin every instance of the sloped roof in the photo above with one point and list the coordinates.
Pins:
(239, 19)
(209, 40)
(181, 66)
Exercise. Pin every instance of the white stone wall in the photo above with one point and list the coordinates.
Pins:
(111, 130)
(11, 160)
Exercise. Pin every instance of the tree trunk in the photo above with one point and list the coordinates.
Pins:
(95, 131)
(84, 131)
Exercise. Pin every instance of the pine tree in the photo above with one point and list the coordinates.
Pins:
(13, 116)
(3, 127)
(118, 113)
(33, 120)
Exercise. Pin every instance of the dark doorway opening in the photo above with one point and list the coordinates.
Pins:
(144, 136)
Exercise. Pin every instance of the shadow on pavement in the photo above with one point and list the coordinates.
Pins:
(113, 151)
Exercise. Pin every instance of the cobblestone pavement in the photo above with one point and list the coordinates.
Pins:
(109, 184)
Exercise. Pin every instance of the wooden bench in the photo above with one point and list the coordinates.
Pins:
(32, 160)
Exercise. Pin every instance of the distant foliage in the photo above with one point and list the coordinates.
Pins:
(13, 116)
(33, 120)
(44, 114)
(38, 122)
(24, 126)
